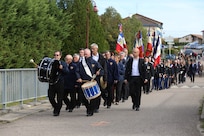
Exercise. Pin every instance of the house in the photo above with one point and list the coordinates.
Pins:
(149, 24)
(191, 38)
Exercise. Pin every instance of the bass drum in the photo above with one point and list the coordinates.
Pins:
(48, 70)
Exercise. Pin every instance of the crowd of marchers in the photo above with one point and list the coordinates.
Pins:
(88, 77)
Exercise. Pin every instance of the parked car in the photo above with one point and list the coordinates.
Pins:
(189, 52)
(170, 57)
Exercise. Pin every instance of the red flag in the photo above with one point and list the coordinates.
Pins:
(149, 46)
(140, 44)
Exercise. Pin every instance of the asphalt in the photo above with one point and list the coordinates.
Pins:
(168, 104)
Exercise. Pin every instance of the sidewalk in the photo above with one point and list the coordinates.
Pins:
(15, 113)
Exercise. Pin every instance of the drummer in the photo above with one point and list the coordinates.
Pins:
(57, 89)
(85, 71)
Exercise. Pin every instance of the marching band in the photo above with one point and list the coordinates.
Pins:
(88, 76)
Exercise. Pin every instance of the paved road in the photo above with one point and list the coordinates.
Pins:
(171, 112)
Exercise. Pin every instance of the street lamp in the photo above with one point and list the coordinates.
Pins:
(87, 19)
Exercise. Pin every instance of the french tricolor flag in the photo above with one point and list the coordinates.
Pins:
(157, 52)
(121, 43)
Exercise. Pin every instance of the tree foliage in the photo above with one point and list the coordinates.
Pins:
(110, 20)
(30, 29)
(82, 11)
(37, 28)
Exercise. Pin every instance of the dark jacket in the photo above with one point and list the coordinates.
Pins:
(128, 70)
(70, 77)
(121, 71)
(93, 65)
(112, 69)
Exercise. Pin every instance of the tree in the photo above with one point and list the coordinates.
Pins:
(80, 13)
(110, 20)
(30, 29)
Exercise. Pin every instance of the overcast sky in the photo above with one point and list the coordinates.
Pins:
(179, 17)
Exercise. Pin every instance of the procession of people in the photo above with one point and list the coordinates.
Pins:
(88, 77)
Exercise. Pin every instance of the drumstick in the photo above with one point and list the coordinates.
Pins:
(32, 61)
(94, 76)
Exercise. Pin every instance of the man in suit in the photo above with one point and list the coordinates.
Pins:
(69, 84)
(113, 76)
(135, 75)
(56, 89)
(85, 71)
(102, 61)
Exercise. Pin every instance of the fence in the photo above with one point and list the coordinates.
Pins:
(17, 85)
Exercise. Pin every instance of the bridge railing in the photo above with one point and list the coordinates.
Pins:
(18, 85)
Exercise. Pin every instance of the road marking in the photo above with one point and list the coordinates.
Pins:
(100, 123)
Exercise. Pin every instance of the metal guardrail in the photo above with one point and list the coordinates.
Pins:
(17, 85)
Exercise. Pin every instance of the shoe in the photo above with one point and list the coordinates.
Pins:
(96, 111)
(133, 106)
(66, 108)
(70, 110)
(137, 109)
(116, 103)
(55, 114)
(89, 114)
(105, 103)
(108, 107)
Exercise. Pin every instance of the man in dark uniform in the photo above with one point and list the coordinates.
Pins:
(69, 84)
(135, 75)
(112, 78)
(102, 61)
(57, 88)
(149, 71)
(85, 71)
(79, 93)
(161, 74)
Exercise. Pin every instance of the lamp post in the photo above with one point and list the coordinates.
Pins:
(88, 18)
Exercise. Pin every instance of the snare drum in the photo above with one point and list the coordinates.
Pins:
(91, 90)
(45, 70)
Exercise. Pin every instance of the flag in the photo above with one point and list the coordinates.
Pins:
(153, 41)
(121, 43)
(149, 46)
(157, 52)
(139, 43)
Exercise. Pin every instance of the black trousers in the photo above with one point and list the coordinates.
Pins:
(56, 90)
(71, 103)
(79, 96)
(135, 84)
(147, 86)
(110, 93)
(90, 105)
(118, 90)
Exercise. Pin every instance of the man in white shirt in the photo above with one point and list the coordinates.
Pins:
(136, 77)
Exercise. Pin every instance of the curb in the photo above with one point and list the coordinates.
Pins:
(10, 115)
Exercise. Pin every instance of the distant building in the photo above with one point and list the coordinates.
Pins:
(203, 36)
(191, 38)
(149, 24)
